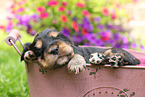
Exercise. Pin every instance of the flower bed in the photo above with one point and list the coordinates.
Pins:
(87, 22)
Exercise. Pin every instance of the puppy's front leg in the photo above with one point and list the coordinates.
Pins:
(77, 64)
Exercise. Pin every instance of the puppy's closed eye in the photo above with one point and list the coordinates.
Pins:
(54, 50)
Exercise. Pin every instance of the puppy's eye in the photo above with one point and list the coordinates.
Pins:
(54, 51)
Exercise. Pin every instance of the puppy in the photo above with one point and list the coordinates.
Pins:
(52, 49)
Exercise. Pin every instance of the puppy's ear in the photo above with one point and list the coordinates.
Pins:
(53, 34)
(66, 39)
(26, 48)
(38, 42)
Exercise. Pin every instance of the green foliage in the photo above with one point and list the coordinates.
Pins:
(13, 79)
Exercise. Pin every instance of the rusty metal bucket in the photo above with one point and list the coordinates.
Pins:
(127, 81)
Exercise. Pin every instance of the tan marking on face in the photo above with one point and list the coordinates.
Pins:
(65, 49)
(52, 47)
(38, 43)
(62, 60)
(53, 34)
(49, 60)
(108, 52)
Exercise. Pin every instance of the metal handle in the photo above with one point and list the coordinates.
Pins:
(13, 36)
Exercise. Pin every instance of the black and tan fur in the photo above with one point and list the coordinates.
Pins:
(52, 49)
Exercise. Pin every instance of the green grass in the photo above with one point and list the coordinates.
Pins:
(13, 78)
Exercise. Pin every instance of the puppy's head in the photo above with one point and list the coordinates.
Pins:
(52, 48)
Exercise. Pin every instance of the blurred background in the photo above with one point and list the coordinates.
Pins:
(113, 23)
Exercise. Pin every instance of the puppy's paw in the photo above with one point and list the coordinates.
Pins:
(29, 56)
(128, 58)
(116, 60)
(97, 58)
(76, 64)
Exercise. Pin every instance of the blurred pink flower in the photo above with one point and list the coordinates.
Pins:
(105, 36)
(68, 12)
(84, 31)
(52, 3)
(40, 9)
(2, 27)
(64, 3)
(86, 13)
(13, 12)
(9, 26)
(113, 16)
(44, 15)
(63, 18)
(31, 31)
(75, 26)
(135, 1)
(20, 10)
(61, 8)
(54, 21)
(117, 5)
(12, 6)
(80, 5)
(22, 2)
(105, 11)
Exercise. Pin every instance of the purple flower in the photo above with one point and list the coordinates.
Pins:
(9, 26)
(133, 45)
(93, 39)
(30, 30)
(118, 28)
(116, 36)
(111, 42)
(87, 44)
(101, 27)
(35, 17)
(65, 31)
(75, 19)
(9, 18)
(99, 42)
(125, 40)
(23, 20)
(109, 26)
(20, 10)
(33, 32)
(126, 46)
(77, 39)
(142, 48)
(69, 12)
(86, 24)
(118, 45)
(97, 19)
